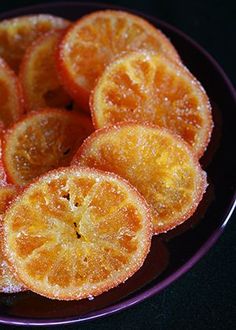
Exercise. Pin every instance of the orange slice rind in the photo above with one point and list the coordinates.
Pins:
(16, 34)
(75, 233)
(11, 100)
(42, 141)
(155, 161)
(95, 39)
(148, 87)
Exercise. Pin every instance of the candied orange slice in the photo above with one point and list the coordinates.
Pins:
(8, 282)
(94, 40)
(16, 34)
(3, 177)
(42, 141)
(148, 87)
(76, 232)
(155, 161)
(11, 101)
(38, 75)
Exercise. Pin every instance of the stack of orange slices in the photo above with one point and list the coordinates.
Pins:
(81, 195)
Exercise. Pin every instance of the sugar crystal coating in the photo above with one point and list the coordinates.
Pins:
(159, 164)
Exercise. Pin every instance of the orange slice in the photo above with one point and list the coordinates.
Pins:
(75, 233)
(3, 177)
(42, 141)
(11, 101)
(94, 40)
(38, 75)
(8, 282)
(16, 34)
(159, 164)
(147, 87)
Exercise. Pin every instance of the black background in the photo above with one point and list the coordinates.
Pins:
(205, 297)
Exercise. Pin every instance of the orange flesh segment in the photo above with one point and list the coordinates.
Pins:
(11, 106)
(8, 283)
(76, 233)
(18, 33)
(94, 40)
(38, 75)
(150, 88)
(159, 164)
(42, 141)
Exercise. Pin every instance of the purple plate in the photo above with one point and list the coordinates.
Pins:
(176, 252)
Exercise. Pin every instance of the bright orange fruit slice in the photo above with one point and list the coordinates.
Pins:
(148, 87)
(11, 101)
(42, 141)
(159, 164)
(8, 282)
(16, 34)
(94, 40)
(38, 75)
(75, 233)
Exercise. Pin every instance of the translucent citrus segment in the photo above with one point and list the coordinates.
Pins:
(155, 161)
(8, 282)
(94, 40)
(42, 141)
(148, 87)
(16, 34)
(76, 232)
(7, 193)
(11, 99)
(38, 75)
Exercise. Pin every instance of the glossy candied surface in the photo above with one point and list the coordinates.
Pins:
(147, 87)
(8, 282)
(42, 141)
(16, 34)
(94, 40)
(185, 249)
(159, 164)
(39, 77)
(76, 233)
(11, 98)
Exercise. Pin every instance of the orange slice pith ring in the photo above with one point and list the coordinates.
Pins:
(76, 233)
(8, 283)
(38, 75)
(95, 39)
(11, 101)
(159, 164)
(42, 141)
(148, 87)
(17, 34)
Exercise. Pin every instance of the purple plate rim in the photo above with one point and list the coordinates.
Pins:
(204, 248)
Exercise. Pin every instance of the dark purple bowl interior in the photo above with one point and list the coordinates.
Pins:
(171, 254)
